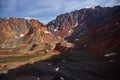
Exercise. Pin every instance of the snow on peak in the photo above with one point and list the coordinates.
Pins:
(70, 31)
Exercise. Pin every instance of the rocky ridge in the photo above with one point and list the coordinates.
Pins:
(21, 35)
(96, 29)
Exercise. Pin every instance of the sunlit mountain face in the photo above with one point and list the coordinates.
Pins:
(80, 45)
(23, 41)
(21, 35)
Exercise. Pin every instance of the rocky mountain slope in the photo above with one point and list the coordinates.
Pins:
(96, 29)
(89, 30)
(21, 35)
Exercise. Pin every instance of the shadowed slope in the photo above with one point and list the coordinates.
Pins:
(78, 65)
(95, 29)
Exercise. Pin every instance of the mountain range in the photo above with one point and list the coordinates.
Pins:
(88, 32)
(21, 35)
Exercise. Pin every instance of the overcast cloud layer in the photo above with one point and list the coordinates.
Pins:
(46, 10)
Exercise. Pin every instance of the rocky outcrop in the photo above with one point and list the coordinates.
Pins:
(21, 35)
(96, 29)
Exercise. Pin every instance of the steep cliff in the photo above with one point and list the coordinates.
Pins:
(21, 35)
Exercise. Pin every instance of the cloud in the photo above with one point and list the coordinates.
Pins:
(45, 10)
(112, 2)
(29, 18)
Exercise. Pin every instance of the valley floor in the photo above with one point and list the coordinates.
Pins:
(11, 61)
(78, 65)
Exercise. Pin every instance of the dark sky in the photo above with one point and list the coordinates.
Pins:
(46, 10)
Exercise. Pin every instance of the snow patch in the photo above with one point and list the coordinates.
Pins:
(55, 29)
(76, 39)
(110, 54)
(76, 24)
(47, 32)
(21, 35)
(57, 69)
(90, 7)
(61, 78)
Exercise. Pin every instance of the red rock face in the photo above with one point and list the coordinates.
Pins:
(18, 34)
(95, 29)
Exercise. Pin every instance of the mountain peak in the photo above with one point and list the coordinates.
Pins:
(18, 32)
(88, 27)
